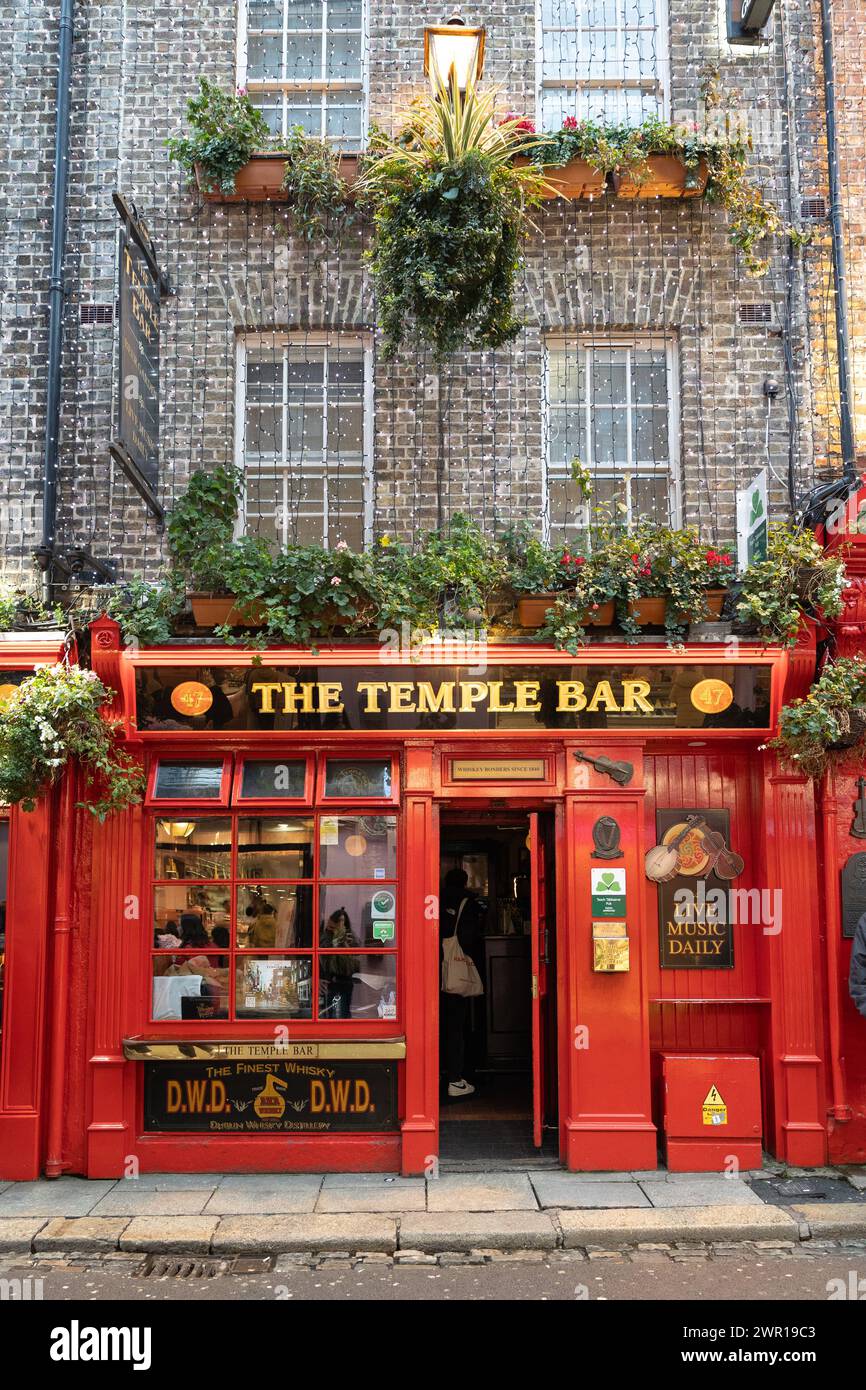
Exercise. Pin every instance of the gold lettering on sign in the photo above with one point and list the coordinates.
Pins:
(526, 696)
(438, 701)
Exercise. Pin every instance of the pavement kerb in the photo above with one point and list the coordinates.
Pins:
(366, 1232)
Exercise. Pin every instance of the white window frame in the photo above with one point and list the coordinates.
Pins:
(660, 80)
(300, 86)
(586, 343)
(278, 342)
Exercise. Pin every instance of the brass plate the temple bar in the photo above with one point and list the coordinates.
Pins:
(198, 1050)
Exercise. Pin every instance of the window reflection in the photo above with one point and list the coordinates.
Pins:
(274, 987)
(193, 848)
(354, 777)
(275, 847)
(190, 986)
(275, 916)
(358, 846)
(357, 986)
(191, 916)
(273, 778)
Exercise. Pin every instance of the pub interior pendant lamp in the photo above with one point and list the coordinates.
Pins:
(453, 54)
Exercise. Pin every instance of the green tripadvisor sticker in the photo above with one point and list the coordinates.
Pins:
(608, 892)
(383, 931)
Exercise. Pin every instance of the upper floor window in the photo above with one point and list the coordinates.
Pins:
(305, 422)
(303, 63)
(605, 59)
(613, 406)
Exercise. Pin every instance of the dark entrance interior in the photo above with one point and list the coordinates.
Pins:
(495, 1124)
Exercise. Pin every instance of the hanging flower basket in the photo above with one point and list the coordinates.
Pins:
(261, 180)
(669, 177)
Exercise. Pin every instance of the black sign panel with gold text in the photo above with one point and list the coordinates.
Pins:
(252, 1097)
(695, 927)
(631, 695)
(138, 415)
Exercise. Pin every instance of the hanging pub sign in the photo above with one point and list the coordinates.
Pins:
(633, 695)
(136, 445)
(693, 865)
(249, 1097)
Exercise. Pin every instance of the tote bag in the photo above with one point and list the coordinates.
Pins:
(459, 975)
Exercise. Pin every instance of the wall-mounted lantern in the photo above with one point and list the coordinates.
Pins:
(748, 19)
(453, 48)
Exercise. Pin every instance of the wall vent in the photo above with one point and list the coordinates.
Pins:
(756, 313)
(97, 313)
(813, 209)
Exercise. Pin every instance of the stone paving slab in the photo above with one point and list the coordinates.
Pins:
(171, 1235)
(282, 1234)
(481, 1192)
(829, 1220)
(131, 1200)
(367, 1198)
(82, 1233)
(369, 1180)
(17, 1233)
(711, 1190)
(502, 1230)
(253, 1194)
(173, 1182)
(608, 1228)
(570, 1190)
(54, 1197)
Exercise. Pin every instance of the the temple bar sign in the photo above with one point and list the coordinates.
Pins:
(637, 695)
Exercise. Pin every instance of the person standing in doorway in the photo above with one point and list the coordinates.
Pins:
(857, 976)
(460, 915)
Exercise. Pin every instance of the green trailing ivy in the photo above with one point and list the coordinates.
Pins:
(145, 611)
(797, 577)
(225, 129)
(202, 526)
(450, 210)
(54, 717)
(830, 721)
(314, 187)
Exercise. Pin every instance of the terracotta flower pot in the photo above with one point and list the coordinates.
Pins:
(649, 612)
(531, 609)
(715, 601)
(213, 610)
(576, 179)
(668, 178)
(261, 180)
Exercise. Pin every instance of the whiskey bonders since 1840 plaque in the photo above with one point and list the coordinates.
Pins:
(695, 927)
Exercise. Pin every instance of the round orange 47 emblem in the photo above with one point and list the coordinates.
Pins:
(712, 696)
(191, 697)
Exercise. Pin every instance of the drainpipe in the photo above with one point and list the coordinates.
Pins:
(61, 931)
(45, 551)
(839, 1108)
(840, 275)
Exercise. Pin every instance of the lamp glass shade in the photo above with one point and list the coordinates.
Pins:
(453, 47)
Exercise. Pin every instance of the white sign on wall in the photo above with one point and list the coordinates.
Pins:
(752, 521)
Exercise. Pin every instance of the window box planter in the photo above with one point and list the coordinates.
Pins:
(576, 179)
(213, 610)
(715, 600)
(261, 180)
(531, 609)
(668, 178)
(649, 612)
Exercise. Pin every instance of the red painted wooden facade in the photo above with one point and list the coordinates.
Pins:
(80, 937)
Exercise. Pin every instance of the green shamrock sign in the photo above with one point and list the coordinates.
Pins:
(608, 892)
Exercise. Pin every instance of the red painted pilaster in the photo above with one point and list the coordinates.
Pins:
(420, 1127)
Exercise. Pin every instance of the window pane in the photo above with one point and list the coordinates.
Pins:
(357, 846)
(352, 914)
(344, 57)
(265, 57)
(189, 987)
(273, 778)
(344, 777)
(193, 848)
(272, 848)
(188, 781)
(275, 917)
(273, 987)
(358, 986)
(651, 497)
(190, 918)
(265, 14)
(303, 57)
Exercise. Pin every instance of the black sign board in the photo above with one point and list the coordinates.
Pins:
(853, 892)
(633, 695)
(270, 1097)
(695, 927)
(138, 415)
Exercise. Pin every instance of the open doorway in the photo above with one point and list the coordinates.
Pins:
(504, 1041)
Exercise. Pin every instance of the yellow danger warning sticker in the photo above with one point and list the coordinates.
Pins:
(714, 1110)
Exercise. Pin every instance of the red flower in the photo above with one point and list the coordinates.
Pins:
(570, 123)
(578, 560)
(635, 559)
(726, 560)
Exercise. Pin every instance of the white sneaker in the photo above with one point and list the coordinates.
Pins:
(460, 1088)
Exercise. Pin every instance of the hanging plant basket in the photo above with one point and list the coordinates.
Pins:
(261, 180)
(669, 177)
(855, 735)
(531, 610)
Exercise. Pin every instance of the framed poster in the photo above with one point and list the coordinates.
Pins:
(695, 927)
